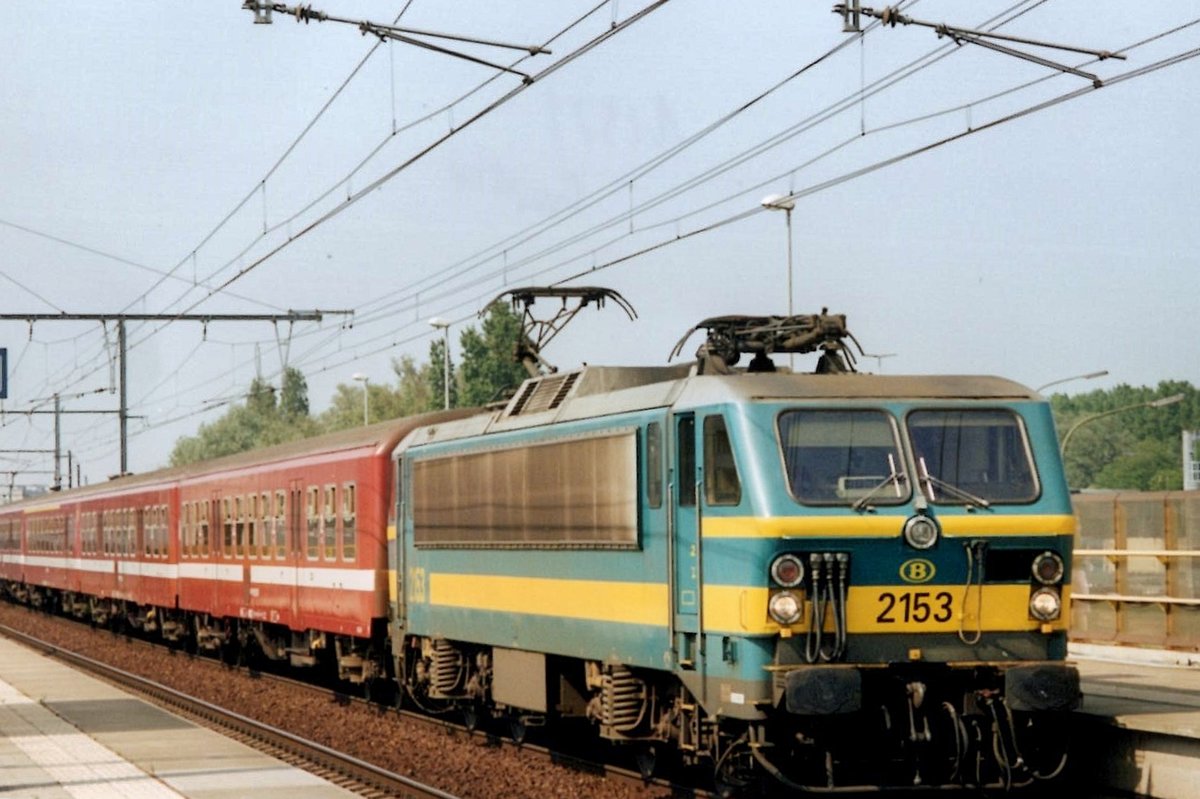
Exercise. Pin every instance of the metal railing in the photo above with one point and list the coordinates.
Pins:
(1136, 569)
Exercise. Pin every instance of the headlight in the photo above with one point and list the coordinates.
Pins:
(1048, 568)
(785, 607)
(921, 532)
(787, 570)
(1045, 605)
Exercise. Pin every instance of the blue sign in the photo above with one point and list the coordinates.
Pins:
(3, 373)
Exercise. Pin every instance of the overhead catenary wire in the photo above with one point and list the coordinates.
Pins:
(1182, 56)
(586, 47)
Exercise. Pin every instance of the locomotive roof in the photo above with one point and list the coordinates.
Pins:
(597, 391)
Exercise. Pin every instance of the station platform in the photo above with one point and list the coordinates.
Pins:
(66, 735)
(1139, 727)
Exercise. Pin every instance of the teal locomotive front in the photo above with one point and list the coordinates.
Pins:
(759, 571)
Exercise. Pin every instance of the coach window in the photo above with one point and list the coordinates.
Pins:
(330, 519)
(252, 526)
(654, 479)
(349, 532)
(262, 516)
(314, 521)
(226, 527)
(280, 525)
(202, 527)
(146, 515)
(187, 533)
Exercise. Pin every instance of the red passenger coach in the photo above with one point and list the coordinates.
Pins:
(280, 552)
(288, 546)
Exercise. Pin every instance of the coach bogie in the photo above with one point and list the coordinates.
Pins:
(211, 634)
(76, 605)
(357, 661)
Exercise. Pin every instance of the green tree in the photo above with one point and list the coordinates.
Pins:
(1137, 448)
(293, 396)
(260, 422)
(489, 369)
(410, 395)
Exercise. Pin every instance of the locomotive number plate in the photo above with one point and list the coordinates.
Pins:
(914, 607)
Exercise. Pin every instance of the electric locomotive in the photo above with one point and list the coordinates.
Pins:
(830, 581)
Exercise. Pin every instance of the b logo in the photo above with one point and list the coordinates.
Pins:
(917, 570)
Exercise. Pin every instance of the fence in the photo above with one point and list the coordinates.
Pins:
(1136, 572)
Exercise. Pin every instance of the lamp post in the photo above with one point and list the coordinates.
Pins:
(361, 378)
(1088, 376)
(438, 322)
(780, 202)
(1158, 403)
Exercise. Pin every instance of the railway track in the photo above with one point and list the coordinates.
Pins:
(352, 773)
(339, 768)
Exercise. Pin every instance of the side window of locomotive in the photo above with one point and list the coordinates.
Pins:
(686, 460)
(654, 465)
(721, 483)
(964, 454)
(836, 457)
(349, 532)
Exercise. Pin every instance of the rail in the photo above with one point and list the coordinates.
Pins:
(1136, 569)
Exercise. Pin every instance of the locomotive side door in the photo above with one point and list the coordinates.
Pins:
(685, 544)
(396, 560)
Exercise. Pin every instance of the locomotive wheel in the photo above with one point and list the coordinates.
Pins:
(470, 715)
(734, 770)
(646, 758)
(517, 730)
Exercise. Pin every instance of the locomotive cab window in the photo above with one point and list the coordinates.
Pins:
(839, 457)
(965, 455)
(721, 483)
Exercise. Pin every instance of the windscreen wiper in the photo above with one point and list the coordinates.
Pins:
(960, 493)
(896, 477)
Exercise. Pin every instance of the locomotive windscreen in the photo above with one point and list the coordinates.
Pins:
(578, 492)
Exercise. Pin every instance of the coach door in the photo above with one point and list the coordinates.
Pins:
(685, 544)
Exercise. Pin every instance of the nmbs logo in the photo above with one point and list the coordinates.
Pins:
(917, 570)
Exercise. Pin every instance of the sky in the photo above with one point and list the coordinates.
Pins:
(970, 212)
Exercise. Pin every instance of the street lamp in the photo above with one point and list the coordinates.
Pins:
(361, 378)
(781, 202)
(1158, 403)
(1088, 376)
(441, 323)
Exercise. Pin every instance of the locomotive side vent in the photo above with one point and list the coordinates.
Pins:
(623, 698)
(544, 394)
(447, 669)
